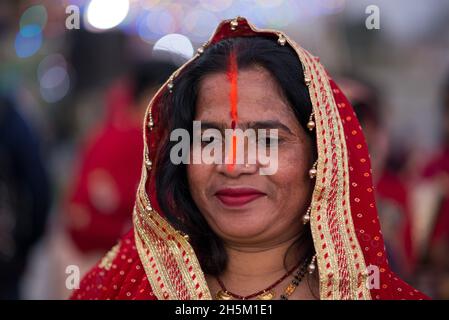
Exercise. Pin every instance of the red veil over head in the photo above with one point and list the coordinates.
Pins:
(156, 261)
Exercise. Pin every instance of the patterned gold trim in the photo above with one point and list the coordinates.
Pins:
(106, 261)
(158, 242)
(341, 262)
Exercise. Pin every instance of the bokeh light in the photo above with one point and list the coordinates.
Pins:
(26, 46)
(149, 4)
(269, 3)
(52, 60)
(245, 9)
(199, 24)
(215, 5)
(331, 6)
(176, 47)
(54, 80)
(29, 38)
(33, 20)
(106, 14)
(282, 16)
(153, 24)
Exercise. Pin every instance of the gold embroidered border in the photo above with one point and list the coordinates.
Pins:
(106, 261)
(152, 255)
(342, 272)
(170, 240)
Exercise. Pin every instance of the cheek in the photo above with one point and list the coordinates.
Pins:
(198, 176)
(193, 178)
(292, 178)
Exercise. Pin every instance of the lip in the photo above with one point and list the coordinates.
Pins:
(237, 197)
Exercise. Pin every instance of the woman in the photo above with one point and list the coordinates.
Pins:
(225, 231)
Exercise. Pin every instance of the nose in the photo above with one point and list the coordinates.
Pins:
(239, 158)
(236, 170)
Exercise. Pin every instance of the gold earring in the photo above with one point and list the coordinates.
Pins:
(234, 24)
(307, 81)
(306, 217)
(170, 86)
(149, 164)
(281, 39)
(150, 122)
(312, 266)
(313, 171)
(184, 235)
(311, 124)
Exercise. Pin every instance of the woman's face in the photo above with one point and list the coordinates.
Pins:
(241, 205)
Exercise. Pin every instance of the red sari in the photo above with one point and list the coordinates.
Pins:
(102, 197)
(155, 261)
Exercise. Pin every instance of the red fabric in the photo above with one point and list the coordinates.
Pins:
(111, 161)
(125, 280)
(391, 189)
(437, 168)
(363, 206)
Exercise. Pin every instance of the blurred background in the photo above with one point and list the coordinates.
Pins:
(76, 76)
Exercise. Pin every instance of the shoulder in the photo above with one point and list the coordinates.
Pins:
(118, 275)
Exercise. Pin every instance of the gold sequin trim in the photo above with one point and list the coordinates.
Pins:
(106, 261)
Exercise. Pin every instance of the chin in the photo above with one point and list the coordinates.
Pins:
(241, 225)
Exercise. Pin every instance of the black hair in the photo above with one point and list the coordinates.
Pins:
(174, 195)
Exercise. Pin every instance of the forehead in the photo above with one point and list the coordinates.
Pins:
(259, 97)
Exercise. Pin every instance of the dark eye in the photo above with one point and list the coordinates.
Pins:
(268, 140)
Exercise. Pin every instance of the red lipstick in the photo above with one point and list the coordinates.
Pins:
(236, 197)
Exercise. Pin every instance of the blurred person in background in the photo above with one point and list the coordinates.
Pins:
(99, 204)
(388, 165)
(432, 212)
(25, 196)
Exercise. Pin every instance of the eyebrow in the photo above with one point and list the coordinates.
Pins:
(267, 124)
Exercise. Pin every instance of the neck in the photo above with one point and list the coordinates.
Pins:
(259, 261)
(250, 268)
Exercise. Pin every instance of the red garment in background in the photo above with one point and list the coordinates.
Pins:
(438, 168)
(393, 199)
(102, 197)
